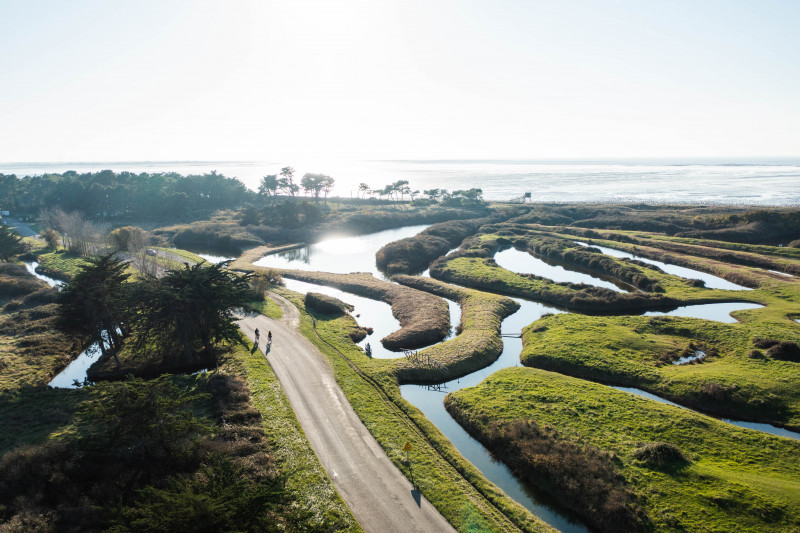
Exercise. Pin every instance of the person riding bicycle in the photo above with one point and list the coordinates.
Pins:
(257, 333)
(269, 336)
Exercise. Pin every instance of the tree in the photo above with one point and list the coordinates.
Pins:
(190, 309)
(402, 188)
(10, 243)
(94, 302)
(363, 190)
(432, 194)
(317, 183)
(286, 181)
(128, 238)
(269, 186)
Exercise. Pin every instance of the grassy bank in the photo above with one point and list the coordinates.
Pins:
(424, 318)
(732, 380)
(314, 491)
(414, 254)
(32, 350)
(449, 482)
(710, 476)
(478, 344)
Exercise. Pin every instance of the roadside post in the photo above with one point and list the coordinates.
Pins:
(407, 448)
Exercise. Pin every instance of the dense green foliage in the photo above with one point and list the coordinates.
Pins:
(188, 309)
(108, 194)
(10, 243)
(140, 459)
(94, 303)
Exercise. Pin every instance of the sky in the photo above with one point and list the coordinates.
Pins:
(101, 80)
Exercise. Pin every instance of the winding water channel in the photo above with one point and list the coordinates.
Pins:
(352, 254)
(31, 266)
(429, 399)
(711, 281)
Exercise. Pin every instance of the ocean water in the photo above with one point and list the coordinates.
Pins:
(736, 182)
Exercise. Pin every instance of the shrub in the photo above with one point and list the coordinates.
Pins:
(584, 476)
(785, 351)
(327, 305)
(660, 454)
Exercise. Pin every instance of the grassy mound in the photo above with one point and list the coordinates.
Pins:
(640, 352)
(729, 479)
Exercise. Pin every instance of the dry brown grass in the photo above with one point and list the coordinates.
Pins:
(478, 344)
(244, 262)
(32, 350)
(424, 318)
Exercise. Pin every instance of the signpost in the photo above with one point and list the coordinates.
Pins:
(407, 448)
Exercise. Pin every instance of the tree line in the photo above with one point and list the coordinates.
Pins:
(108, 194)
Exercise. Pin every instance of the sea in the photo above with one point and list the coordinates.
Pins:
(767, 182)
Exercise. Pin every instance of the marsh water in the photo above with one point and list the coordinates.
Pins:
(341, 255)
(30, 266)
(326, 256)
(429, 400)
(351, 254)
(711, 281)
(370, 313)
(524, 263)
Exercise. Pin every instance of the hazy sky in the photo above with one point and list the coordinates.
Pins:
(227, 80)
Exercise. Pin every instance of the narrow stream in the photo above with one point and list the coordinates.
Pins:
(429, 400)
(711, 281)
(31, 268)
(371, 313)
(524, 263)
(74, 374)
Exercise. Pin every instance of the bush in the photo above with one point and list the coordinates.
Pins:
(327, 305)
(660, 454)
(583, 476)
(785, 351)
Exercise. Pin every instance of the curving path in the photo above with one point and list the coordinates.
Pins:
(378, 494)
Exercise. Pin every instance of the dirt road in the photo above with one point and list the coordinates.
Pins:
(380, 497)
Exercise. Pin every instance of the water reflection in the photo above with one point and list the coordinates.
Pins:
(711, 281)
(367, 312)
(341, 255)
(214, 258)
(74, 375)
(524, 263)
(721, 312)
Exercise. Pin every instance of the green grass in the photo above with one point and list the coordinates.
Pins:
(34, 415)
(478, 344)
(736, 480)
(291, 449)
(267, 307)
(638, 351)
(60, 264)
(185, 254)
(465, 498)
